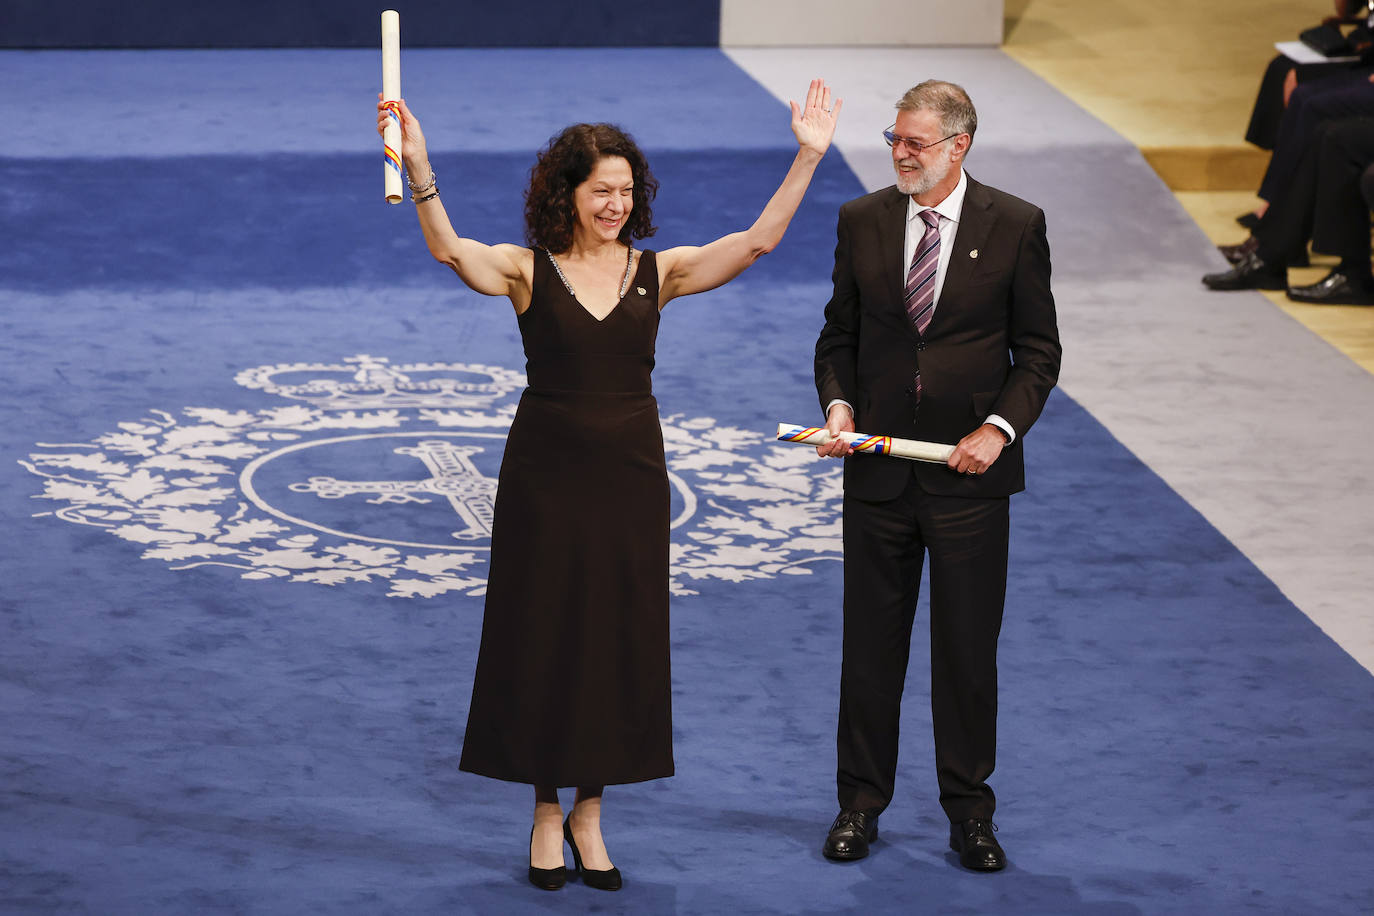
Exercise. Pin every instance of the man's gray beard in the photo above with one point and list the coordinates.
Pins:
(922, 181)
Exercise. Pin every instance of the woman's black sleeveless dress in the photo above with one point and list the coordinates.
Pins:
(572, 685)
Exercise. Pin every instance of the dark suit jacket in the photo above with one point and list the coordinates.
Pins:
(991, 347)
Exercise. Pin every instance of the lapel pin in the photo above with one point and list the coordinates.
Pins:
(973, 253)
(641, 290)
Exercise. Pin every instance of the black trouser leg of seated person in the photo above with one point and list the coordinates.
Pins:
(1341, 215)
(1341, 211)
(1280, 238)
(1287, 224)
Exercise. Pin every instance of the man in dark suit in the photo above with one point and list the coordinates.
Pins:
(942, 328)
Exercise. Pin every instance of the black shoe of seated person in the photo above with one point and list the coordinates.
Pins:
(1234, 254)
(1340, 287)
(1251, 273)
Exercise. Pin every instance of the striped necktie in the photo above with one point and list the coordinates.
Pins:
(920, 279)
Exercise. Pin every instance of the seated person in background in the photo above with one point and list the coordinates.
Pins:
(1323, 203)
(1344, 95)
(1283, 75)
(1348, 94)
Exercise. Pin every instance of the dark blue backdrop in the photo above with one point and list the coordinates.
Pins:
(354, 24)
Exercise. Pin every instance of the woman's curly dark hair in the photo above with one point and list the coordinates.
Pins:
(563, 165)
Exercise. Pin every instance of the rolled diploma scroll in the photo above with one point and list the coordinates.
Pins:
(391, 92)
(913, 449)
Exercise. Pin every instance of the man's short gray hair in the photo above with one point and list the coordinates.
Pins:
(949, 101)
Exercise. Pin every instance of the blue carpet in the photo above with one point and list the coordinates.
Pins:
(208, 708)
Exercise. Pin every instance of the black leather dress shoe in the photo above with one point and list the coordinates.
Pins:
(1337, 288)
(850, 835)
(1250, 273)
(1249, 220)
(978, 849)
(1234, 254)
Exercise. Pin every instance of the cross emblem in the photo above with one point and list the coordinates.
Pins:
(452, 474)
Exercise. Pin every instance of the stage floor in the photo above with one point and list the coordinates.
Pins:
(223, 692)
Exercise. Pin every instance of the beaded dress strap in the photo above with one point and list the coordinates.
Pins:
(624, 283)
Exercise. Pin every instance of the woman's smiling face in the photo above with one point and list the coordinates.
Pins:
(603, 202)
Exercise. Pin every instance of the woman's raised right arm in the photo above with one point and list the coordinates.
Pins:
(493, 270)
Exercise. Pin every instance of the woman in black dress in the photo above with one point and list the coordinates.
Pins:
(572, 685)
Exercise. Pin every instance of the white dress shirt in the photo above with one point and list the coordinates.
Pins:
(951, 208)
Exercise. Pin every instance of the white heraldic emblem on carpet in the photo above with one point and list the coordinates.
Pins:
(373, 472)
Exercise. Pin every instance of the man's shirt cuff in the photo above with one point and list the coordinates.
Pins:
(1003, 425)
(838, 401)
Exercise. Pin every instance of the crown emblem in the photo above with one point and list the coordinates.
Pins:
(365, 382)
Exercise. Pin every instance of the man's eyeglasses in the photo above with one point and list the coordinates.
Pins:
(916, 146)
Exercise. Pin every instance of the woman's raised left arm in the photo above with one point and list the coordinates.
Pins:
(694, 269)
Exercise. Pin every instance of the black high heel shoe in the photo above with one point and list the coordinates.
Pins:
(548, 879)
(608, 880)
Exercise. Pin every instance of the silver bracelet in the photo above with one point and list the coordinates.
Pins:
(421, 189)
